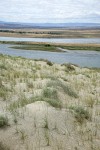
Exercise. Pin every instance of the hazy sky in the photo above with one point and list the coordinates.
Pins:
(50, 11)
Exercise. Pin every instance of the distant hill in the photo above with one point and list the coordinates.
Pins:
(16, 25)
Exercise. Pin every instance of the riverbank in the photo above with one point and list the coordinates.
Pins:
(44, 105)
(54, 47)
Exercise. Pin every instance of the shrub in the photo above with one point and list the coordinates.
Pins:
(50, 93)
(49, 63)
(3, 147)
(3, 121)
(69, 67)
(81, 114)
(47, 45)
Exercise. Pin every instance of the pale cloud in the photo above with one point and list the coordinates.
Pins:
(50, 10)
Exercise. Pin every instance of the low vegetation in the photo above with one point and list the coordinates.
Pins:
(54, 48)
(50, 47)
(41, 47)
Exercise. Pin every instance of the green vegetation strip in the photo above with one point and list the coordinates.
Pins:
(54, 48)
(49, 46)
(92, 48)
(42, 47)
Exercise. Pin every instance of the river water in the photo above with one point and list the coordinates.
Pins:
(81, 58)
(54, 40)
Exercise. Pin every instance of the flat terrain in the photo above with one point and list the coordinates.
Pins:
(47, 106)
(51, 33)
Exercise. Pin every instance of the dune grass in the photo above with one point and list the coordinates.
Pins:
(64, 104)
(66, 89)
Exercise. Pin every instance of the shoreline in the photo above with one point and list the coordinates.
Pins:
(49, 62)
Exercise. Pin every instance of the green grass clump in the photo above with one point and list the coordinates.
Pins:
(3, 121)
(59, 85)
(53, 102)
(50, 93)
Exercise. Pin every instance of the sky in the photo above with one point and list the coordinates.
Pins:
(50, 11)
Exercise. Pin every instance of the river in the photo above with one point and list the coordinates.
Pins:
(53, 40)
(81, 58)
